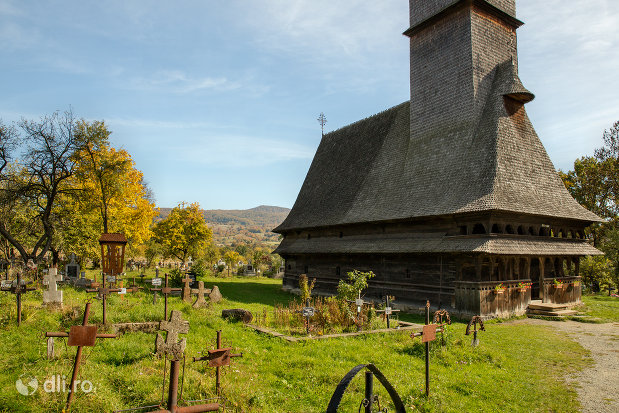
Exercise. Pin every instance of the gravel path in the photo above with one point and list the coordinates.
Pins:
(598, 385)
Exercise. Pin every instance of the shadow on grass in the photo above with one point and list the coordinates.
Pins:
(250, 291)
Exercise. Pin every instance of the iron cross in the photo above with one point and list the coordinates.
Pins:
(103, 293)
(388, 310)
(307, 312)
(165, 290)
(441, 317)
(218, 358)
(474, 321)
(18, 288)
(79, 336)
(428, 334)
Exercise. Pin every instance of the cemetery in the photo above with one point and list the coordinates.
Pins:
(434, 260)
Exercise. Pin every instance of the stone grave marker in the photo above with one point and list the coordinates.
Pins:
(52, 296)
(72, 269)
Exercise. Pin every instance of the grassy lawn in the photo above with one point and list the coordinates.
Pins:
(601, 306)
(516, 368)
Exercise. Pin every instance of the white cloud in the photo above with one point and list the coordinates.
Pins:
(177, 81)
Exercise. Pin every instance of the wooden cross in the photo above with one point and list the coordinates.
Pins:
(18, 288)
(200, 291)
(387, 311)
(428, 334)
(186, 294)
(218, 358)
(103, 293)
(165, 290)
(79, 336)
(474, 321)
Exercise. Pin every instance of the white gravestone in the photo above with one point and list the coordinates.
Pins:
(52, 295)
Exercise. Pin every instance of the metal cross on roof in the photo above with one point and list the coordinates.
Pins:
(103, 292)
(165, 290)
(474, 321)
(171, 346)
(79, 336)
(17, 287)
(218, 358)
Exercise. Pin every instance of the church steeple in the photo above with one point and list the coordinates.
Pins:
(456, 47)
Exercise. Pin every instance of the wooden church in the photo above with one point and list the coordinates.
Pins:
(450, 196)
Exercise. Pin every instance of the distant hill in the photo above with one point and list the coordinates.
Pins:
(241, 225)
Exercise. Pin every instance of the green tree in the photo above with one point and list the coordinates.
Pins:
(231, 258)
(183, 233)
(211, 254)
(352, 288)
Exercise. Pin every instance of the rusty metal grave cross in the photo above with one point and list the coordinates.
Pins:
(388, 310)
(133, 288)
(80, 336)
(307, 312)
(441, 317)
(103, 292)
(200, 291)
(165, 290)
(17, 287)
(474, 321)
(427, 335)
(218, 358)
(186, 294)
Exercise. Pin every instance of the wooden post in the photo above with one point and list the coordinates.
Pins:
(542, 262)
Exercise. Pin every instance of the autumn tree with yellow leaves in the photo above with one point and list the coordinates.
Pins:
(183, 233)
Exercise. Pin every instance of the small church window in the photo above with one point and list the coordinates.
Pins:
(509, 229)
(309, 236)
(408, 273)
(289, 266)
(463, 229)
(306, 269)
(479, 229)
(532, 231)
(337, 270)
(341, 234)
(520, 230)
(495, 229)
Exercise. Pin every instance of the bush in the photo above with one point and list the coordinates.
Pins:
(175, 277)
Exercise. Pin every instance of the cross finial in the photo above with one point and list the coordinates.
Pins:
(322, 119)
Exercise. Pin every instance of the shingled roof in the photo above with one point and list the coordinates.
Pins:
(375, 170)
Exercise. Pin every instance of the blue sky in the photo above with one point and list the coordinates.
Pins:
(217, 100)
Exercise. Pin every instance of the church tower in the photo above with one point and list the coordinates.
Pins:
(455, 48)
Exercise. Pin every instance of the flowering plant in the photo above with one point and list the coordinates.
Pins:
(524, 285)
(499, 287)
(558, 283)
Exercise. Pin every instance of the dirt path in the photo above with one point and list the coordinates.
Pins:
(598, 385)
